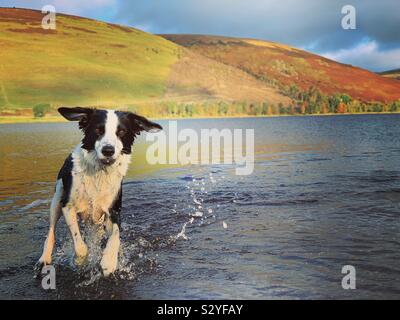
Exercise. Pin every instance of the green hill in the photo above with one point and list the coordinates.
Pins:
(83, 61)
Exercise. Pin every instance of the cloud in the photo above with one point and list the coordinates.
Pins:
(294, 22)
(369, 55)
(284, 21)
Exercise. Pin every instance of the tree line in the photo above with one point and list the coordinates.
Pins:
(311, 101)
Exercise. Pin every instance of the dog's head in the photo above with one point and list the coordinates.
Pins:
(108, 133)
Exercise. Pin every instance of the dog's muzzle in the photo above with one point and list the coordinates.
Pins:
(108, 151)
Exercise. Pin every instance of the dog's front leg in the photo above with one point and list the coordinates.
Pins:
(55, 214)
(81, 249)
(109, 261)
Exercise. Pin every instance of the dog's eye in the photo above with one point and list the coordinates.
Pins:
(100, 131)
(121, 132)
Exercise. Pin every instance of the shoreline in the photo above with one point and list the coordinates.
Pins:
(59, 119)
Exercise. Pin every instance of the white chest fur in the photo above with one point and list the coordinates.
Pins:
(95, 187)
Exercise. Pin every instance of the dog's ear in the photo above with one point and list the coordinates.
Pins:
(76, 114)
(139, 123)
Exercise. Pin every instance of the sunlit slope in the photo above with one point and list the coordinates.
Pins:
(83, 61)
(282, 65)
(195, 77)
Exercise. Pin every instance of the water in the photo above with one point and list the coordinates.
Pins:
(325, 193)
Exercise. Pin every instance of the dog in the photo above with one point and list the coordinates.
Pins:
(89, 184)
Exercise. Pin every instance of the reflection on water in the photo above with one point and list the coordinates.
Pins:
(325, 192)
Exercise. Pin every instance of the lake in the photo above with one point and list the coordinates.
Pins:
(325, 193)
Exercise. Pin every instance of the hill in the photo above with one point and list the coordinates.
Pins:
(82, 61)
(283, 66)
(395, 74)
(89, 62)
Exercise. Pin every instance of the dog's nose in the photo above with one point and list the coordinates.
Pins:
(108, 151)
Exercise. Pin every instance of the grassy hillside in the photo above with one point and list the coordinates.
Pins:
(195, 78)
(83, 61)
(283, 66)
(395, 74)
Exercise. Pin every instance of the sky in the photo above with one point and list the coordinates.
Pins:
(313, 25)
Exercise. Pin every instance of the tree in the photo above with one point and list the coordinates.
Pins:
(222, 108)
(40, 110)
(334, 102)
(281, 108)
(345, 98)
(341, 108)
(303, 107)
(377, 107)
(293, 91)
(395, 106)
(264, 108)
(189, 110)
(171, 107)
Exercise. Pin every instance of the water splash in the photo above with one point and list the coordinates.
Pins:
(198, 209)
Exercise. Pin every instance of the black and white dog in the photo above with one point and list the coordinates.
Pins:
(89, 184)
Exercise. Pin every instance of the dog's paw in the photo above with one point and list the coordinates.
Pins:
(37, 269)
(109, 262)
(108, 267)
(81, 254)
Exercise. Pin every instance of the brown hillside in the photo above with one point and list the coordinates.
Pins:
(195, 77)
(283, 65)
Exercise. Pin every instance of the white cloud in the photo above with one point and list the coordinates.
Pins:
(367, 55)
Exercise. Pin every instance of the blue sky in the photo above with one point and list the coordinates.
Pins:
(314, 25)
